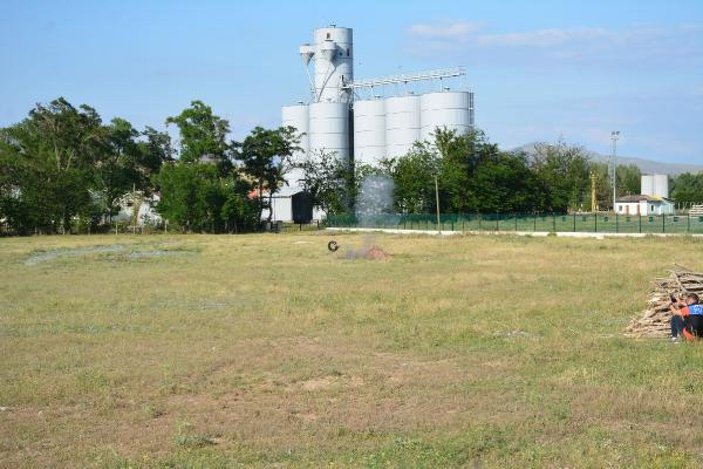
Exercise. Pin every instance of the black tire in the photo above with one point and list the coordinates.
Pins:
(332, 246)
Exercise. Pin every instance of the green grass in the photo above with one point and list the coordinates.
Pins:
(261, 350)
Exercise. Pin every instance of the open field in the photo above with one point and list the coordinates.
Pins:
(267, 350)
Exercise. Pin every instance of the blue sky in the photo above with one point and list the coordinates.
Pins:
(541, 70)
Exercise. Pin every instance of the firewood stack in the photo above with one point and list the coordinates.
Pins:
(654, 321)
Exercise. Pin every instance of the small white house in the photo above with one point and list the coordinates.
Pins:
(643, 205)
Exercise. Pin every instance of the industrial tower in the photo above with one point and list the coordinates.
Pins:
(365, 130)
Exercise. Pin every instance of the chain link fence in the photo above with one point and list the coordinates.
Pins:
(576, 222)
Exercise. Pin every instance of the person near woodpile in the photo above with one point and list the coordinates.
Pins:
(687, 317)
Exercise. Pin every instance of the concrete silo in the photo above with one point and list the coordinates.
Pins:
(369, 131)
(297, 116)
(450, 109)
(402, 124)
(329, 128)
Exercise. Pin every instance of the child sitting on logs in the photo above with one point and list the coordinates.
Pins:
(687, 318)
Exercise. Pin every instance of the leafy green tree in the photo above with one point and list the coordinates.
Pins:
(629, 179)
(327, 179)
(460, 156)
(198, 199)
(266, 157)
(504, 183)
(117, 171)
(155, 149)
(200, 191)
(239, 212)
(563, 172)
(52, 154)
(687, 188)
(203, 137)
(413, 176)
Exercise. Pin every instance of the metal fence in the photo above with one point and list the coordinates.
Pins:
(577, 222)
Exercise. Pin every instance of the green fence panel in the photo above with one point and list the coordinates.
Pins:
(525, 222)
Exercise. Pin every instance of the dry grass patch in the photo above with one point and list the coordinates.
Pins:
(268, 350)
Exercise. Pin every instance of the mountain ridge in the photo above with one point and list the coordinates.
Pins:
(646, 166)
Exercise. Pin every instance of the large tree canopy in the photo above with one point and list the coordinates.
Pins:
(203, 136)
(61, 165)
(687, 188)
(266, 158)
(203, 191)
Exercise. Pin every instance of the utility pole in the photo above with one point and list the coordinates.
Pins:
(594, 202)
(436, 192)
(614, 135)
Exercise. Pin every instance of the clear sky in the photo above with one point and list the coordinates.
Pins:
(541, 70)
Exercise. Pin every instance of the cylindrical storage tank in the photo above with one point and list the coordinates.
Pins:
(450, 109)
(402, 124)
(369, 131)
(334, 60)
(297, 116)
(647, 185)
(329, 128)
(661, 185)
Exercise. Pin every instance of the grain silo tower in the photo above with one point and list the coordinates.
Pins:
(325, 120)
(338, 117)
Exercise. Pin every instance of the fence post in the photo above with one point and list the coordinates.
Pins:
(688, 224)
(497, 222)
(515, 215)
(617, 228)
(595, 223)
(663, 223)
(554, 222)
(534, 222)
(574, 222)
(640, 223)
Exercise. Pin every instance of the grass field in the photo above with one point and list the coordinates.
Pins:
(268, 350)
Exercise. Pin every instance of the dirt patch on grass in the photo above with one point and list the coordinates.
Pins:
(107, 252)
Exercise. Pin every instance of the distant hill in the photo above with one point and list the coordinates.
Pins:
(645, 166)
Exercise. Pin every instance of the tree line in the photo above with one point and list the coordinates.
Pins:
(472, 175)
(62, 169)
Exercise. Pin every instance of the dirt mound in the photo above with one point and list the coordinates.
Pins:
(375, 253)
(371, 253)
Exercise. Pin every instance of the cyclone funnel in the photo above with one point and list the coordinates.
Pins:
(306, 53)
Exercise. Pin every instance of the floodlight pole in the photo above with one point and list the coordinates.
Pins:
(614, 135)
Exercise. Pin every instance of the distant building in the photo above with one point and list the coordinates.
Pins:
(644, 205)
(654, 199)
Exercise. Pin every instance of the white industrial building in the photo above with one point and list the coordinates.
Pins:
(338, 118)
(654, 199)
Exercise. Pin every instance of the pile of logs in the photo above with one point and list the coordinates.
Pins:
(654, 321)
